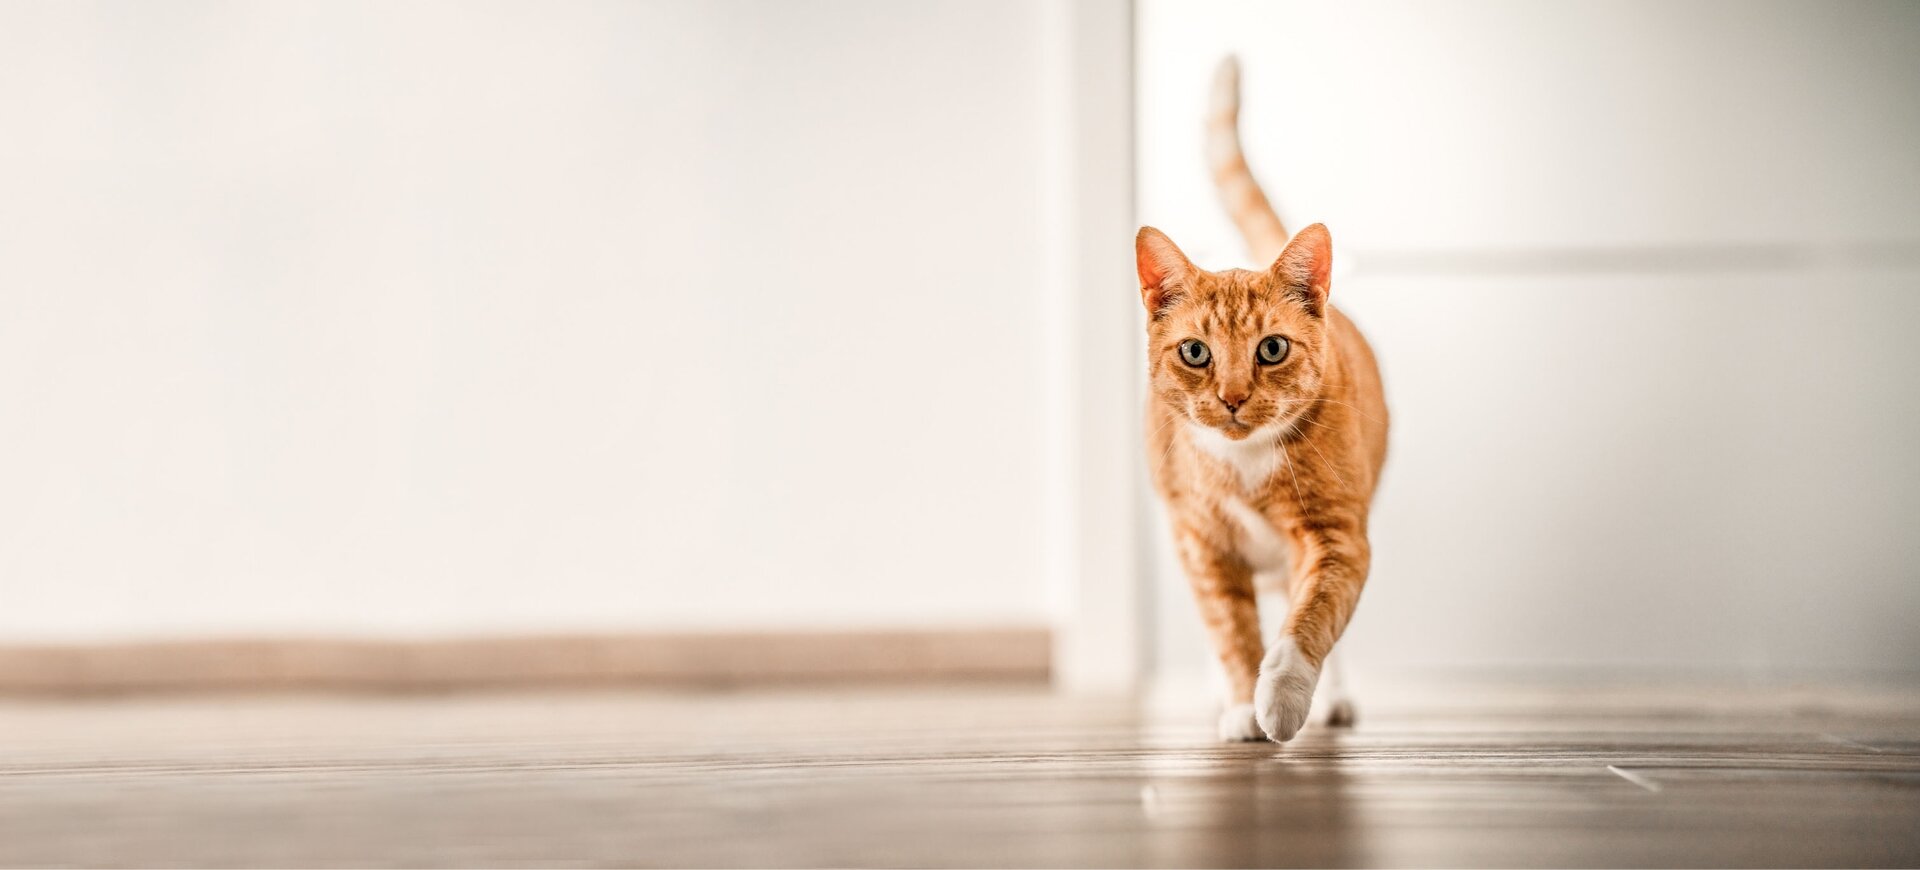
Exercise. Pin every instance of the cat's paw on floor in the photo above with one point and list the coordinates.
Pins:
(1284, 693)
(1238, 724)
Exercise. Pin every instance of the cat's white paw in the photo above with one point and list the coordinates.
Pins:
(1238, 725)
(1284, 693)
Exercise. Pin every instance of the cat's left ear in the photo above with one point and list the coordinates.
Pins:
(1305, 268)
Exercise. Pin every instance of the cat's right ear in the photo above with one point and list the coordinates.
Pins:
(1163, 269)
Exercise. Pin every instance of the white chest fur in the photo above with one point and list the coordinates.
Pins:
(1259, 542)
(1255, 460)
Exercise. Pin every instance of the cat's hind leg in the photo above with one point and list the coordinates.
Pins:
(1238, 724)
(1332, 704)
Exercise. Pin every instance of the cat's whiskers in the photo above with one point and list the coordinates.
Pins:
(1288, 461)
(1171, 419)
(1168, 451)
(1328, 463)
(1356, 408)
(1171, 439)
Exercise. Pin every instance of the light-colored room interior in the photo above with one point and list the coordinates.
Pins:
(708, 433)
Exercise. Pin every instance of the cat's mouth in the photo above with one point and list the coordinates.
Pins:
(1249, 423)
(1235, 428)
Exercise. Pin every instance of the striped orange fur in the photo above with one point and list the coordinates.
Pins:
(1267, 461)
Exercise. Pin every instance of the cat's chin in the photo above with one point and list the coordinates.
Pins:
(1233, 430)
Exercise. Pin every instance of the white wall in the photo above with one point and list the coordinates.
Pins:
(1642, 278)
(437, 317)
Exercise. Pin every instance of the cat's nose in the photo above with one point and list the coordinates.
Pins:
(1233, 401)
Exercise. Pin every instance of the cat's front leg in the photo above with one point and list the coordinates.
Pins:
(1223, 589)
(1333, 569)
(1283, 694)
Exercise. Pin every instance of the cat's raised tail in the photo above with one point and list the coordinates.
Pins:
(1239, 192)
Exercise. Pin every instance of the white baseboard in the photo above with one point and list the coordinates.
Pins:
(689, 659)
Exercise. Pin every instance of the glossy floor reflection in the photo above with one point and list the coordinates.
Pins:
(1473, 774)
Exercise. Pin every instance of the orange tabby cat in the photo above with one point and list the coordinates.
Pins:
(1266, 430)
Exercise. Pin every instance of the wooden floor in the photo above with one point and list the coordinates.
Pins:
(1473, 774)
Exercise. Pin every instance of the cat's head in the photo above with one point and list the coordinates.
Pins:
(1237, 351)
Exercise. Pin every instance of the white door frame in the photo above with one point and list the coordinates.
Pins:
(1093, 324)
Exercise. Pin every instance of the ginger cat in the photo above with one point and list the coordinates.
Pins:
(1266, 431)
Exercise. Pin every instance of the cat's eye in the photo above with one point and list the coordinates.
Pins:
(1272, 349)
(1194, 353)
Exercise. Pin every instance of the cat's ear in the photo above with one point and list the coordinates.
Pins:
(1305, 268)
(1163, 269)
